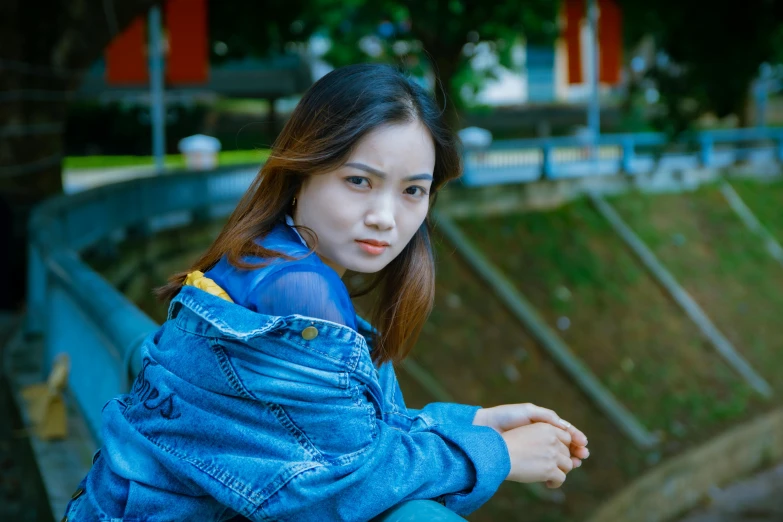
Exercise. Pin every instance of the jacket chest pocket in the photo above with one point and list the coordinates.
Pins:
(338, 423)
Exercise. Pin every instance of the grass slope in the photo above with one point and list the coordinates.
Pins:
(614, 316)
(721, 264)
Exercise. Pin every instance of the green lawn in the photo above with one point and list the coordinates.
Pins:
(577, 272)
(766, 202)
(228, 157)
(724, 267)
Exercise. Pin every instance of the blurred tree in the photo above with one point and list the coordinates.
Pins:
(249, 28)
(45, 46)
(440, 35)
(419, 35)
(709, 51)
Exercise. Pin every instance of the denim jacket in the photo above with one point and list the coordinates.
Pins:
(237, 413)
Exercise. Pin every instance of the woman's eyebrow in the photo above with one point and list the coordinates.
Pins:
(382, 175)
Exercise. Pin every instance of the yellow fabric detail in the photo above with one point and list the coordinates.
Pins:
(198, 280)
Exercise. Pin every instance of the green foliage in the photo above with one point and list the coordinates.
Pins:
(431, 34)
(118, 128)
(715, 47)
(252, 28)
(417, 35)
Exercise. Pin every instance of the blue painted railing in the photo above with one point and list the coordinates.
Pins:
(520, 161)
(78, 312)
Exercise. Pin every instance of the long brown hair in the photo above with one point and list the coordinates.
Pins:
(334, 114)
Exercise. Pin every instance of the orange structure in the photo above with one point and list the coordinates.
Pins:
(187, 61)
(609, 40)
(126, 57)
(187, 56)
(574, 14)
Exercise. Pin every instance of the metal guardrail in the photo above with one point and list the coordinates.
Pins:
(78, 312)
(520, 161)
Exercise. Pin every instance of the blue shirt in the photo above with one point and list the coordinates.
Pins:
(305, 286)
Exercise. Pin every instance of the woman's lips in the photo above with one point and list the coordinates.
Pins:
(372, 247)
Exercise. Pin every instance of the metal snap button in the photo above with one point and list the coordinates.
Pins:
(310, 333)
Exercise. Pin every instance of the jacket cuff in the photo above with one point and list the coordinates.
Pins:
(486, 450)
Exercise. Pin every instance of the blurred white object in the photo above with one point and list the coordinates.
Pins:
(200, 151)
(475, 137)
(563, 323)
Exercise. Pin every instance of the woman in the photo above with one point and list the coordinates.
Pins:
(264, 395)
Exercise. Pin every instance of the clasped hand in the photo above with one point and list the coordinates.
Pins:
(542, 446)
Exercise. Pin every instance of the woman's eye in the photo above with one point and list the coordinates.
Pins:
(416, 191)
(358, 181)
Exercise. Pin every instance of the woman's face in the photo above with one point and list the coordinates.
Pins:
(367, 210)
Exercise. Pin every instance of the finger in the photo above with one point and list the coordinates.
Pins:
(539, 414)
(576, 462)
(564, 436)
(556, 479)
(565, 464)
(579, 452)
(564, 450)
(576, 435)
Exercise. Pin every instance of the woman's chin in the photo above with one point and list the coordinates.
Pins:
(367, 266)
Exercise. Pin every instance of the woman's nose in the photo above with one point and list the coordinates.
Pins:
(381, 214)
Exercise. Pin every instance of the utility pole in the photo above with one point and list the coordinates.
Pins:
(157, 102)
(593, 106)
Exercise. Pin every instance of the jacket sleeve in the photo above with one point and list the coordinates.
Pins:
(460, 465)
(433, 413)
(446, 413)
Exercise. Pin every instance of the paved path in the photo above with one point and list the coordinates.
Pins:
(755, 499)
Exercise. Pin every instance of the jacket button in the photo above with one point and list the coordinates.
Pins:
(77, 493)
(310, 333)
